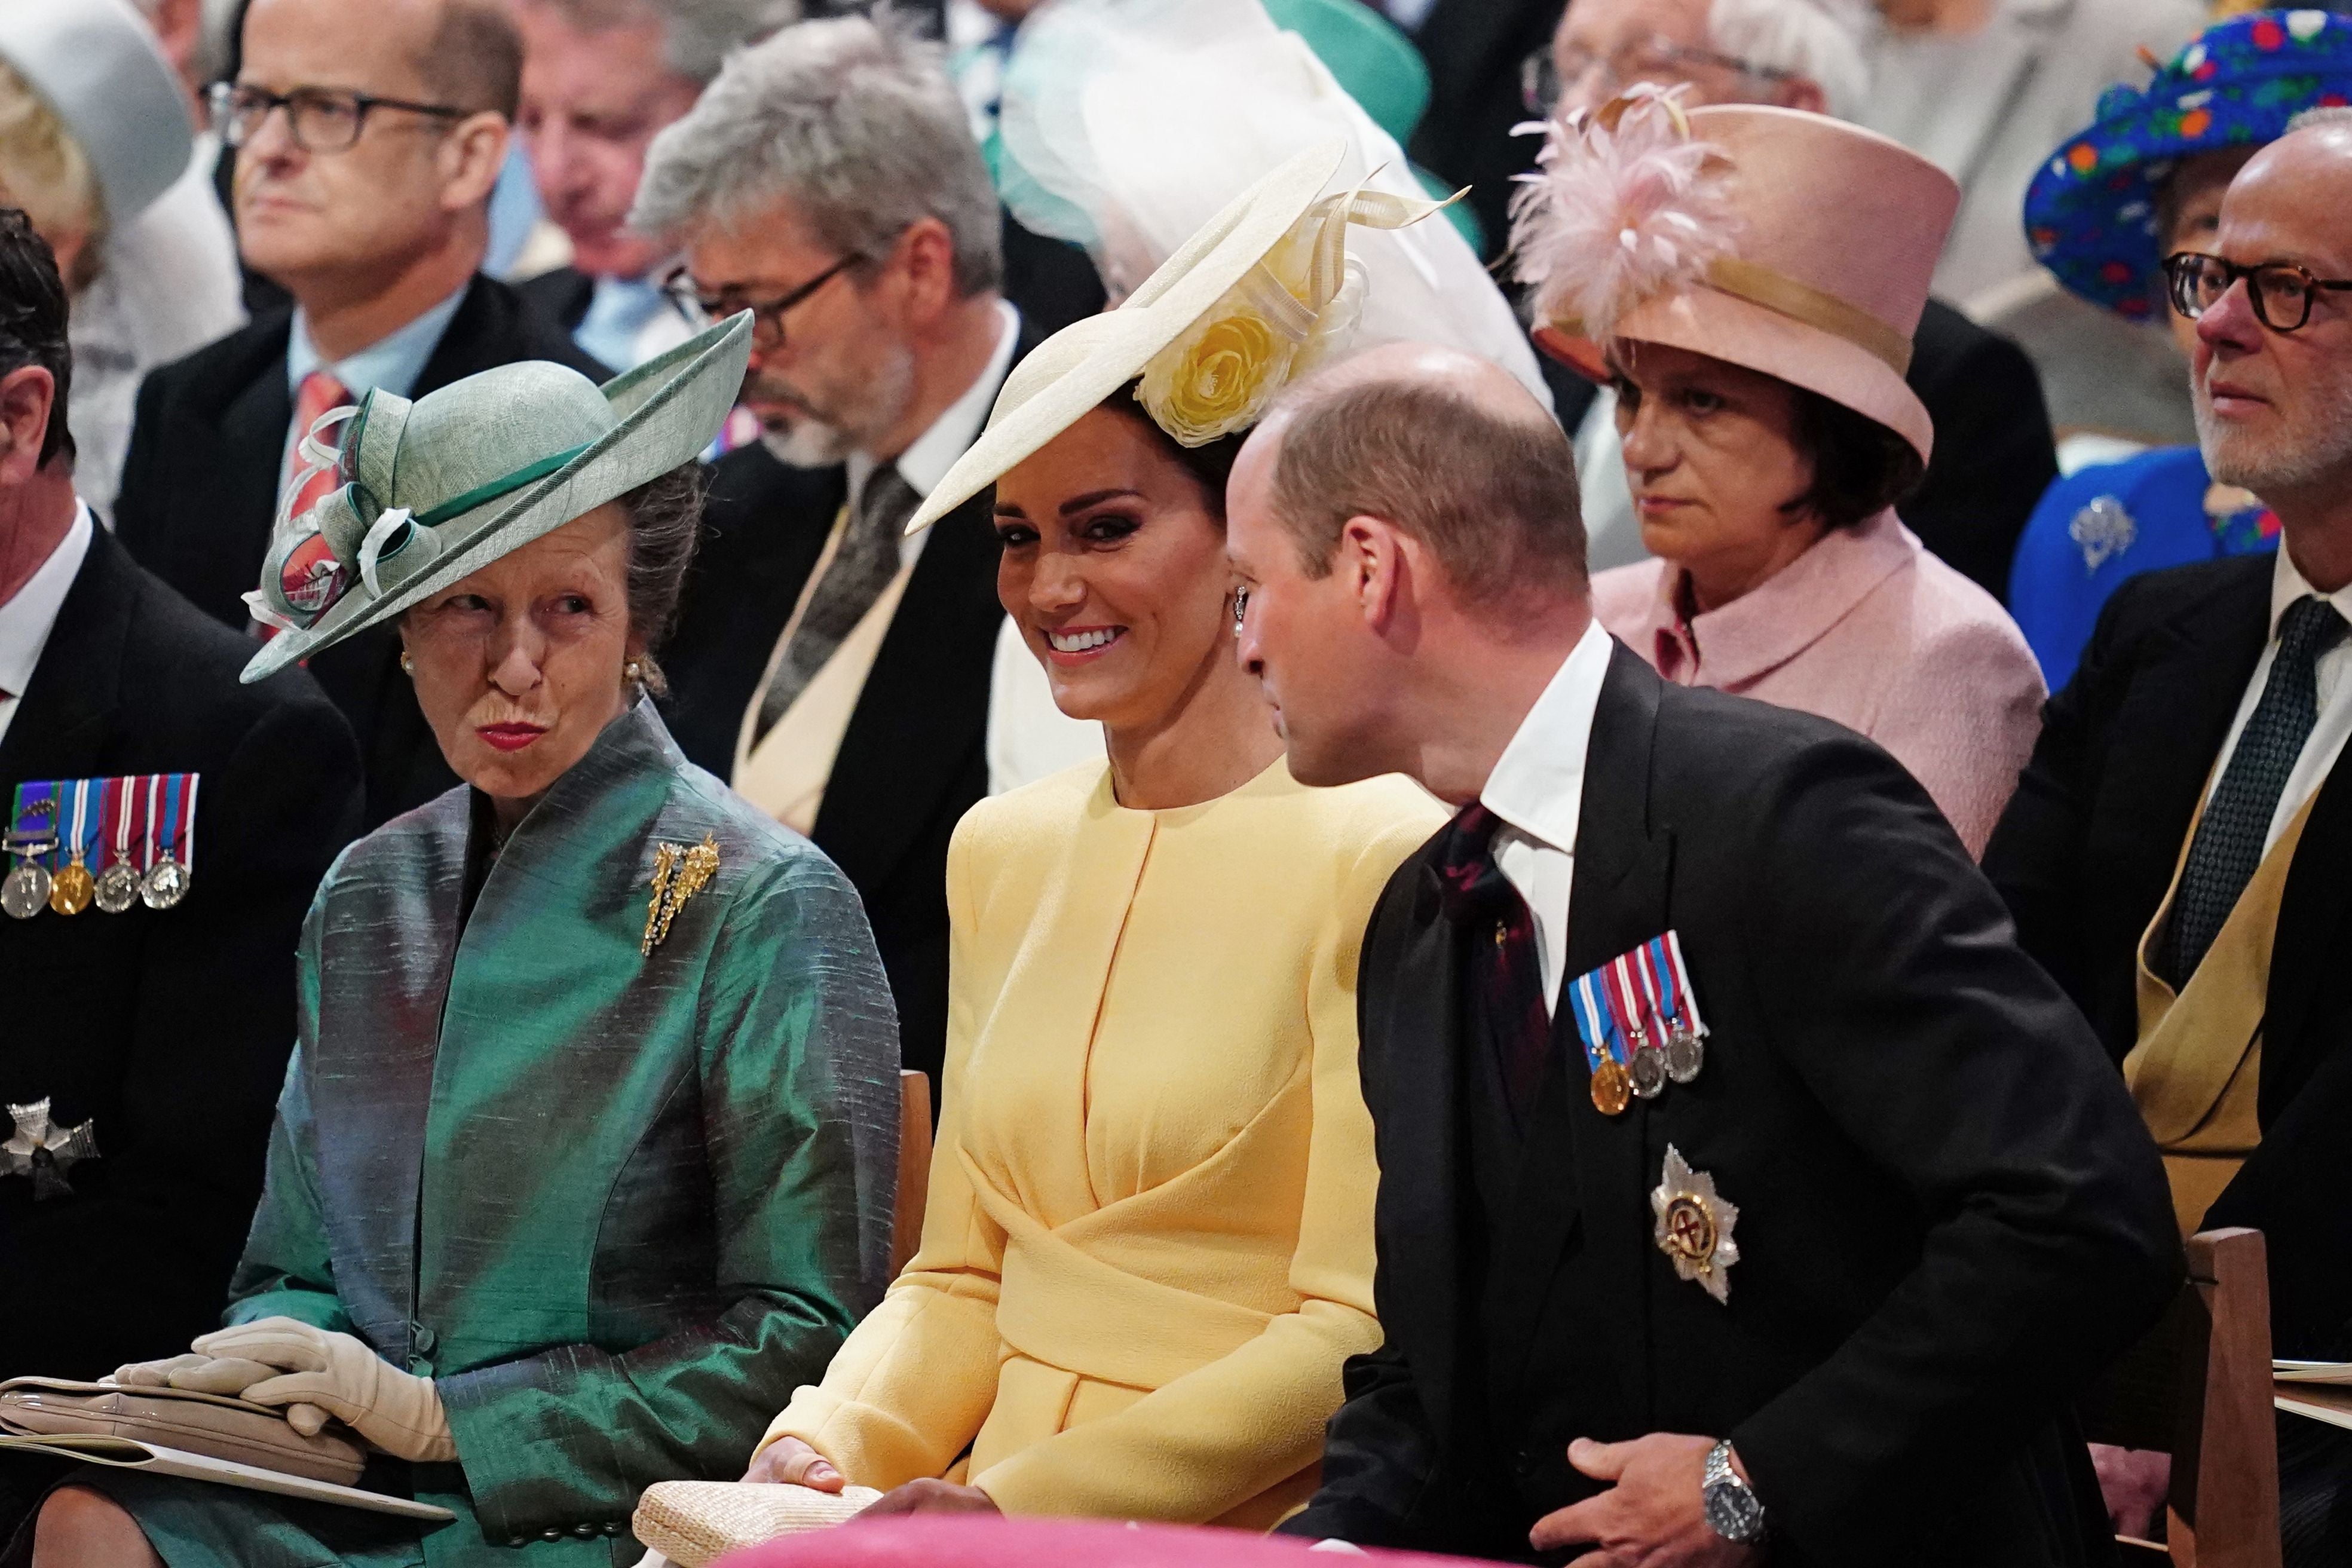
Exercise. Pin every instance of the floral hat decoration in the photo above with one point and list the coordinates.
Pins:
(1782, 241)
(2090, 214)
(1259, 296)
(429, 492)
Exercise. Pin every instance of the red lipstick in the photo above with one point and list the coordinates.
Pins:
(511, 737)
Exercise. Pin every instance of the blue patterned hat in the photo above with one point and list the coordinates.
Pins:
(2090, 214)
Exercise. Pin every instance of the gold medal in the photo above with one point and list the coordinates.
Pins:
(1612, 1087)
(71, 889)
(1694, 1225)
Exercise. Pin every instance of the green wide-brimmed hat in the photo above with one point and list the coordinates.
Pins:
(432, 492)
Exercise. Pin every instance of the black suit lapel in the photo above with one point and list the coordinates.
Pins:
(2315, 913)
(2178, 710)
(1424, 1061)
(1583, 1169)
(479, 337)
(69, 709)
(220, 556)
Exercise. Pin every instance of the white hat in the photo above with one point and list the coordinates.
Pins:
(436, 489)
(98, 66)
(1263, 292)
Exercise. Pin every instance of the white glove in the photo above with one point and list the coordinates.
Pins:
(328, 1374)
(199, 1373)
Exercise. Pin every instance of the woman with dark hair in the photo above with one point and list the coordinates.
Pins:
(584, 1160)
(1147, 1250)
(1758, 278)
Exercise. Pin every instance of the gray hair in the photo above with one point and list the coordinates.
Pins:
(697, 35)
(852, 121)
(1820, 40)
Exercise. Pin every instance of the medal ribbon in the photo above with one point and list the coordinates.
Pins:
(116, 828)
(1686, 998)
(1658, 977)
(36, 801)
(154, 788)
(1591, 1023)
(85, 835)
(1617, 985)
(184, 820)
(177, 801)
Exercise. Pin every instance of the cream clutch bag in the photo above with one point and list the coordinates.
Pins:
(178, 1418)
(696, 1523)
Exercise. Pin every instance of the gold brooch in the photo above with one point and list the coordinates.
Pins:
(678, 874)
(1695, 1226)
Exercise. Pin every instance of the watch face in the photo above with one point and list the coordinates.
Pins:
(1733, 1512)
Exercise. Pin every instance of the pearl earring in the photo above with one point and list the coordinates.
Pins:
(632, 671)
(407, 665)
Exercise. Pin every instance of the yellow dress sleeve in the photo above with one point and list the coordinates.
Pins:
(910, 1386)
(1220, 1435)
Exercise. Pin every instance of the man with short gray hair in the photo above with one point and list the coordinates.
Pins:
(599, 79)
(835, 672)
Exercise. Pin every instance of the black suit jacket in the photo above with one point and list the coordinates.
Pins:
(200, 490)
(915, 758)
(169, 1030)
(1950, 1214)
(2087, 849)
(1473, 49)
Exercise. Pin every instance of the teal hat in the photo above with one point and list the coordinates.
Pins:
(433, 490)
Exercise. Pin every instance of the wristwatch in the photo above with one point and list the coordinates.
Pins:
(1732, 1511)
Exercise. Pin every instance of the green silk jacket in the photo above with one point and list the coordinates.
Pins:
(618, 1205)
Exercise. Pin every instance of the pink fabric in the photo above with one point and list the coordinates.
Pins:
(1869, 629)
(980, 1542)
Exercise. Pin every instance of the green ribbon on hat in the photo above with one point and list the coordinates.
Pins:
(459, 505)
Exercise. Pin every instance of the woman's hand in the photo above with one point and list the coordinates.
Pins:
(317, 1374)
(790, 1462)
(931, 1497)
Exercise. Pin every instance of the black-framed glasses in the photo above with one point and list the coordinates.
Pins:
(2280, 291)
(702, 310)
(319, 118)
(1543, 76)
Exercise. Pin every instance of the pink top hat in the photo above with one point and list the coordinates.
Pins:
(1787, 242)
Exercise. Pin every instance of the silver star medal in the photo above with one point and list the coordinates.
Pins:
(2103, 530)
(1694, 1225)
(45, 1152)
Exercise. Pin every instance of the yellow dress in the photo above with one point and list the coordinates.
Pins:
(1148, 1240)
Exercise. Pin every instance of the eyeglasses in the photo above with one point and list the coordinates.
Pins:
(1543, 77)
(319, 118)
(2280, 291)
(702, 310)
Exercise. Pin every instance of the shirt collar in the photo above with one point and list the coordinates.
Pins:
(1787, 613)
(27, 617)
(2287, 586)
(392, 364)
(1538, 785)
(925, 463)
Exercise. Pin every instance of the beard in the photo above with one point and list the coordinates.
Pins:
(2310, 445)
(849, 414)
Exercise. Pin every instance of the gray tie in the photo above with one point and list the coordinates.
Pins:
(859, 570)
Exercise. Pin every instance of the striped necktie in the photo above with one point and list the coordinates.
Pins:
(860, 570)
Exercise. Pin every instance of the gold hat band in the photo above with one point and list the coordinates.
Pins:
(1814, 306)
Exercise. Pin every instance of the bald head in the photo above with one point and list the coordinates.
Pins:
(1449, 447)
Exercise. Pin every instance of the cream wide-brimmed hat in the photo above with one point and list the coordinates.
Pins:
(1783, 241)
(97, 65)
(1257, 297)
(434, 490)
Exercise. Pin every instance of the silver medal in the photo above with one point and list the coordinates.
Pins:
(118, 888)
(166, 885)
(1685, 1053)
(1649, 1070)
(26, 892)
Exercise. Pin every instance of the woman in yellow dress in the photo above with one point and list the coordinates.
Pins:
(1148, 1246)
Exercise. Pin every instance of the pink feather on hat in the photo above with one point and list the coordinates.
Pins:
(1623, 205)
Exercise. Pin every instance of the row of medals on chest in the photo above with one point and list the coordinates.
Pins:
(74, 889)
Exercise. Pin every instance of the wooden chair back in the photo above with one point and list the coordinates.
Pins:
(915, 1168)
(2199, 1388)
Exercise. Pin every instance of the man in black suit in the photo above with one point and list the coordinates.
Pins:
(833, 671)
(366, 154)
(1994, 449)
(2188, 800)
(144, 1045)
(1832, 1285)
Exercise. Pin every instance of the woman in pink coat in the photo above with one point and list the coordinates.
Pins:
(1747, 280)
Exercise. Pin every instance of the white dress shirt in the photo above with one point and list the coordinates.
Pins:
(1537, 789)
(2335, 725)
(393, 364)
(28, 616)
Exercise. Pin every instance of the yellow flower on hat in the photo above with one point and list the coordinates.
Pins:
(1218, 377)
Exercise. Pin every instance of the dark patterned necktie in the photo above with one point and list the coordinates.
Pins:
(2228, 847)
(858, 573)
(1500, 931)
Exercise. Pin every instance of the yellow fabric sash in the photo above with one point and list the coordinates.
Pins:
(2196, 1068)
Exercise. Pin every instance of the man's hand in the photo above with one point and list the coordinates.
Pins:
(1655, 1515)
(790, 1462)
(2135, 1483)
(930, 1497)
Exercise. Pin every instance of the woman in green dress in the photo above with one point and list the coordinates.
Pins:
(585, 1158)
